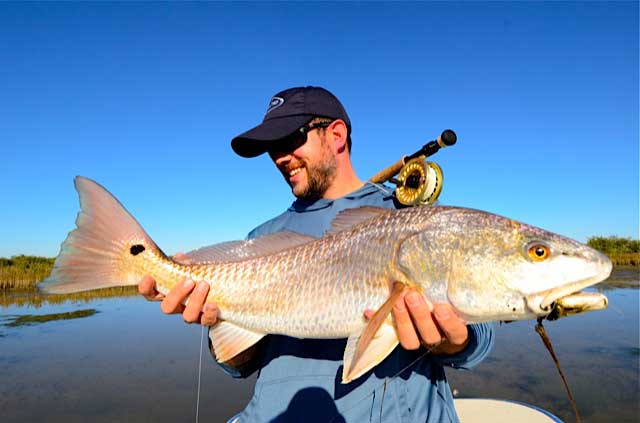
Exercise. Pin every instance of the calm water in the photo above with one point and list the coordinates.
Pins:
(118, 360)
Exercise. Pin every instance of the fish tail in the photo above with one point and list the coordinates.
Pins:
(108, 247)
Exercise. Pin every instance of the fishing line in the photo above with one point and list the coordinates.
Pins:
(384, 391)
(379, 186)
(547, 343)
(199, 372)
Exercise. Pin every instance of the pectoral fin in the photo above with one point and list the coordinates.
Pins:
(229, 340)
(368, 348)
(384, 341)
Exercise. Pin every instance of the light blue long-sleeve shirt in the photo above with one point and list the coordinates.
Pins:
(299, 380)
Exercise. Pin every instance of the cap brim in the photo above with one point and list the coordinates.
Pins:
(258, 140)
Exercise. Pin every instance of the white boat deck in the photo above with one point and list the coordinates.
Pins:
(479, 410)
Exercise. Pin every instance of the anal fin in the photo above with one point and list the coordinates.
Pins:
(229, 340)
(365, 350)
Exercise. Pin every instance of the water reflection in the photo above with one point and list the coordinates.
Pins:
(128, 362)
(32, 319)
(36, 299)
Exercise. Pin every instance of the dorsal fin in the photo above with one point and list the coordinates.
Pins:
(348, 218)
(243, 250)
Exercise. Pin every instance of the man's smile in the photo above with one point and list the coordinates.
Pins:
(295, 171)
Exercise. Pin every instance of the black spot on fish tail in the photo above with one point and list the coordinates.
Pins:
(136, 249)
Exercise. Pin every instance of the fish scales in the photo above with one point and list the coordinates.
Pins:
(486, 266)
(322, 287)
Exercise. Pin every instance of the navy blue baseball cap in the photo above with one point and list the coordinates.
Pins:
(288, 111)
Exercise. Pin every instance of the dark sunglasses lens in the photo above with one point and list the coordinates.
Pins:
(289, 144)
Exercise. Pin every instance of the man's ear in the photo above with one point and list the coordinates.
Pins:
(338, 130)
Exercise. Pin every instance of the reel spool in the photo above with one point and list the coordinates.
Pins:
(419, 182)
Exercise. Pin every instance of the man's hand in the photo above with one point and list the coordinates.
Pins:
(195, 311)
(440, 330)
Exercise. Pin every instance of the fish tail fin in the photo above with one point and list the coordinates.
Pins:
(106, 249)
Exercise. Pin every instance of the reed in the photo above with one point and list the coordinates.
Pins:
(625, 259)
(19, 276)
(35, 299)
(621, 251)
(23, 272)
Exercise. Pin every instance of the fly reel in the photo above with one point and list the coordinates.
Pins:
(418, 181)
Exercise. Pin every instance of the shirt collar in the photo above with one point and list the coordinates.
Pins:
(301, 205)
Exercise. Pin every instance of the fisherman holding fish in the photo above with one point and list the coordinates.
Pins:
(290, 300)
(307, 134)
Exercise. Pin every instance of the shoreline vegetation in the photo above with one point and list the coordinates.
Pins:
(21, 274)
(621, 251)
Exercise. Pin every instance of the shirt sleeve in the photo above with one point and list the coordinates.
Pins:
(241, 372)
(481, 340)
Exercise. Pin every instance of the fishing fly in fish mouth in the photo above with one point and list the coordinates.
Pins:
(342, 284)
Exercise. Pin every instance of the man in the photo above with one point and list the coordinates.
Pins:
(306, 132)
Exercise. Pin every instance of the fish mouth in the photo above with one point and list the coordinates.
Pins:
(542, 303)
(580, 302)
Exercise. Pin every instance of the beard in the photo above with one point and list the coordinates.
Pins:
(319, 179)
(320, 174)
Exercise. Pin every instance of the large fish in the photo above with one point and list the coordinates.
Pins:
(486, 266)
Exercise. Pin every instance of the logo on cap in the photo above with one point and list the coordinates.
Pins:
(275, 103)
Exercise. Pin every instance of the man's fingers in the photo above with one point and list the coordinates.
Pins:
(147, 287)
(439, 327)
(454, 329)
(406, 331)
(421, 314)
(193, 309)
(209, 315)
(172, 303)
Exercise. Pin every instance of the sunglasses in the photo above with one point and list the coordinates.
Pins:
(297, 139)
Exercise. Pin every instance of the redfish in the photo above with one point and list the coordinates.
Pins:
(488, 267)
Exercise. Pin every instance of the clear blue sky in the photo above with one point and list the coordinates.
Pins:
(144, 98)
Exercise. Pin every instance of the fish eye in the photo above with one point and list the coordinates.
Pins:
(538, 251)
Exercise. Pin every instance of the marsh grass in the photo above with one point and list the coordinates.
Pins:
(35, 299)
(621, 251)
(19, 276)
(614, 244)
(625, 259)
(23, 272)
